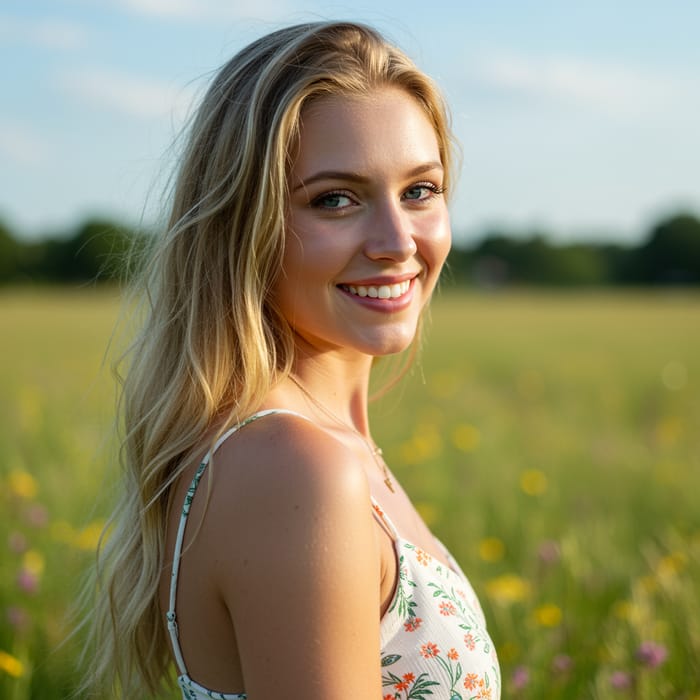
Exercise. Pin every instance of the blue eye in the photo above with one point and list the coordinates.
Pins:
(423, 191)
(416, 192)
(332, 200)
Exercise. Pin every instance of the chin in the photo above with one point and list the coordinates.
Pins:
(390, 344)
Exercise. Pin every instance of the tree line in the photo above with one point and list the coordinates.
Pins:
(98, 250)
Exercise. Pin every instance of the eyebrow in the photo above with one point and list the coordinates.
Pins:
(362, 179)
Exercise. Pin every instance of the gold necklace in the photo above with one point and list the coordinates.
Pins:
(375, 451)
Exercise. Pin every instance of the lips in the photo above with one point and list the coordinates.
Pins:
(382, 291)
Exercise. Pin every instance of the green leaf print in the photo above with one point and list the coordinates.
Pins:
(421, 688)
(390, 659)
(403, 603)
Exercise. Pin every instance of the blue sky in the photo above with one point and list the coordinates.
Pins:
(579, 118)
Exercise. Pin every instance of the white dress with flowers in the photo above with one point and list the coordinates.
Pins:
(434, 643)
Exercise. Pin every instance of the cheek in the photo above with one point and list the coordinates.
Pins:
(315, 253)
(436, 240)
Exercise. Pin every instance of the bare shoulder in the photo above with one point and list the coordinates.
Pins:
(287, 456)
(296, 559)
(282, 481)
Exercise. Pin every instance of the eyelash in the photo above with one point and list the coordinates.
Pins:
(434, 190)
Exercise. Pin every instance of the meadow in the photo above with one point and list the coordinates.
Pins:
(550, 439)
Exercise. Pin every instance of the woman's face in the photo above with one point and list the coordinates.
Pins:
(367, 228)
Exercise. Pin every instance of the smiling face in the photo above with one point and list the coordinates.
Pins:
(367, 228)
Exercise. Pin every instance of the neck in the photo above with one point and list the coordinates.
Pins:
(341, 388)
(338, 395)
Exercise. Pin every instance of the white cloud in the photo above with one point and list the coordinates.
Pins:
(21, 145)
(45, 32)
(128, 94)
(615, 90)
(207, 10)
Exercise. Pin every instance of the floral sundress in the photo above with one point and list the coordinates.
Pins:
(433, 639)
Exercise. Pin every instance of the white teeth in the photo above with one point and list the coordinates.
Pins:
(384, 291)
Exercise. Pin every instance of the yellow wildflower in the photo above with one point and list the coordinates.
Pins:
(508, 588)
(491, 549)
(533, 482)
(466, 437)
(22, 484)
(11, 665)
(425, 444)
(647, 584)
(668, 431)
(624, 609)
(548, 615)
(671, 565)
(89, 537)
(33, 562)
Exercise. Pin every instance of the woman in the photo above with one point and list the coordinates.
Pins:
(308, 229)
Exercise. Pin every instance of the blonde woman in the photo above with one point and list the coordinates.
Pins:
(262, 543)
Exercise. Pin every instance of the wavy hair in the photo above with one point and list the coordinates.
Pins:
(212, 342)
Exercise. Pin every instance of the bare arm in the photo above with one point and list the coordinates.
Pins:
(299, 569)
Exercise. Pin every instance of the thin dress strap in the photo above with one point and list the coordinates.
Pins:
(384, 519)
(170, 615)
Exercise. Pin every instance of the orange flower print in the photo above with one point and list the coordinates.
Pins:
(452, 654)
(461, 594)
(388, 697)
(447, 608)
(409, 677)
(484, 693)
(469, 642)
(379, 512)
(471, 680)
(423, 557)
(401, 685)
(429, 650)
(413, 624)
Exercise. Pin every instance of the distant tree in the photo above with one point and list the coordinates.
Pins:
(498, 259)
(9, 254)
(581, 264)
(493, 260)
(100, 249)
(671, 254)
(96, 251)
(457, 270)
(619, 262)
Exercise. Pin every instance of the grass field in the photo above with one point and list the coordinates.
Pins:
(552, 440)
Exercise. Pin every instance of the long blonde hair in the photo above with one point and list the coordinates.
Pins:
(213, 342)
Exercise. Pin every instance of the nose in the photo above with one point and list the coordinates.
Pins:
(390, 234)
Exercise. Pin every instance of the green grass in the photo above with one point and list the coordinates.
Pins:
(552, 440)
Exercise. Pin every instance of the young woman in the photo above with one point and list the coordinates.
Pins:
(262, 542)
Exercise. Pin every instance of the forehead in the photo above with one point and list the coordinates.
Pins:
(386, 128)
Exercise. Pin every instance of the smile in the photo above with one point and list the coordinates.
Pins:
(384, 291)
